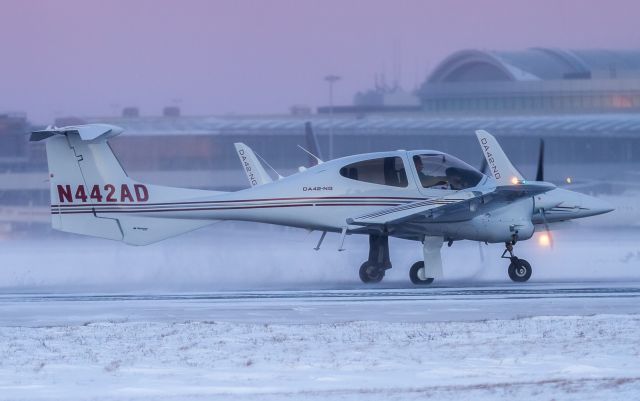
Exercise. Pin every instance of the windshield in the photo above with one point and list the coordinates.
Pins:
(442, 171)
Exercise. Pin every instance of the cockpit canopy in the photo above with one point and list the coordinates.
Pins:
(433, 170)
(442, 171)
(383, 171)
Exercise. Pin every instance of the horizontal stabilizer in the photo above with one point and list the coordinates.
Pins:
(87, 132)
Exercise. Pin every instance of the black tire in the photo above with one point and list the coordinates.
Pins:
(415, 278)
(520, 270)
(370, 273)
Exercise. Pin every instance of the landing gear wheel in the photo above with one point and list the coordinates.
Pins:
(370, 273)
(416, 274)
(519, 270)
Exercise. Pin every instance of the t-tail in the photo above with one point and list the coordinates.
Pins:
(91, 193)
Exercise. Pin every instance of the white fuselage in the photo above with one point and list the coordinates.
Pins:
(320, 198)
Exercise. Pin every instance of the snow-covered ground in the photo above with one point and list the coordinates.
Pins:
(561, 358)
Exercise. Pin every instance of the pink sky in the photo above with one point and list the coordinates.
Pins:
(91, 57)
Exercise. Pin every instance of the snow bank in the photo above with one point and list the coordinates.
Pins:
(537, 358)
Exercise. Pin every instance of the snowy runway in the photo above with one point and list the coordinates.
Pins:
(537, 341)
(326, 305)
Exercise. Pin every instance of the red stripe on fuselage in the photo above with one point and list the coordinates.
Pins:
(91, 211)
(246, 200)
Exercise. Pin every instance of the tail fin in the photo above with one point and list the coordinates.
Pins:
(91, 193)
(498, 164)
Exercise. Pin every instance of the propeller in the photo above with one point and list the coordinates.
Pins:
(540, 177)
(546, 227)
(483, 166)
(540, 171)
(481, 253)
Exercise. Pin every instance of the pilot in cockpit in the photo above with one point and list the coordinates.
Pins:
(460, 178)
(429, 181)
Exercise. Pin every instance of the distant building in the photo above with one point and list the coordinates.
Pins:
(13, 148)
(382, 95)
(383, 98)
(534, 81)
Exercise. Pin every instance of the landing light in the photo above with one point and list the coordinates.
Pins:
(514, 180)
(568, 180)
(544, 240)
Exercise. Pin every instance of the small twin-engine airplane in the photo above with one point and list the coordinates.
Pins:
(422, 195)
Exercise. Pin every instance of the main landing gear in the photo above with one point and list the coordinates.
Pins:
(417, 274)
(423, 272)
(372, 271)
(519, 269)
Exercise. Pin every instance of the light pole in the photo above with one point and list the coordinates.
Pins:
(332, 79)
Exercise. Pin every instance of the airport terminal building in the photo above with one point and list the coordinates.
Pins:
(534, 81)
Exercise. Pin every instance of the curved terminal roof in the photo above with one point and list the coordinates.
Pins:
(535, 64)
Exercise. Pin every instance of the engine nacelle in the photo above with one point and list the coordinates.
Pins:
(498, 225)
(548, 200)
(493, 230)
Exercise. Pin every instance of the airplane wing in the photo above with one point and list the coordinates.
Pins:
(459, 206)
(256, 174)
(430, 209)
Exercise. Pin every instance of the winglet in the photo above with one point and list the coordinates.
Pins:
(251, 165)
(498, 165)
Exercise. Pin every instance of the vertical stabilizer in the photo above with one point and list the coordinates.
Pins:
(91, 193)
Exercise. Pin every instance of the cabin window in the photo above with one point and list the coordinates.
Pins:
(384, 171)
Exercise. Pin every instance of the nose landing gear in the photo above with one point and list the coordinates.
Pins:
(519, 269)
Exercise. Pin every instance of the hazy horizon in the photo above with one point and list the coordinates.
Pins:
(76, 57)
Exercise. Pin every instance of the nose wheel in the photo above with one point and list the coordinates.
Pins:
(519, 269)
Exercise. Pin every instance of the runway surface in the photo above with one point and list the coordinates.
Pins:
(312, 306)
(570, 341)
